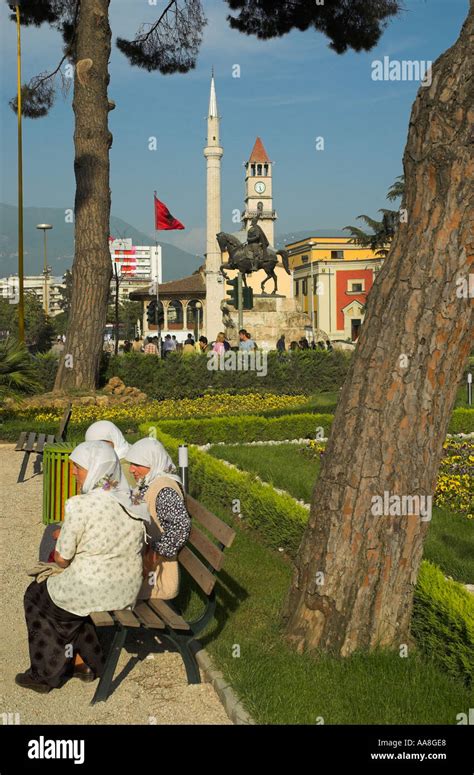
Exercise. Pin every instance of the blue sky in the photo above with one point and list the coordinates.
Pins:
(290, 91)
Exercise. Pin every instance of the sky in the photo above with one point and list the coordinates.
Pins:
(290, 91)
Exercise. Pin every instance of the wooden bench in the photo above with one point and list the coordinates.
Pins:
(31, 442)
(161, 617)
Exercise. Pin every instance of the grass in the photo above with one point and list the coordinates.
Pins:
(450, 540)
(282, 465)
(279, 686)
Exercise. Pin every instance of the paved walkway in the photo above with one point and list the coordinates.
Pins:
(153, 690)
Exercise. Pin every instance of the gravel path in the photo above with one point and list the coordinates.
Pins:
(149, 690)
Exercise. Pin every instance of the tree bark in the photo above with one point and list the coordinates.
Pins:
(92, 268)
(355, 572)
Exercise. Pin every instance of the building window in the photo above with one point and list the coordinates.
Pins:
(265, 170)
(252, 170)
(355, 287)
(297, 287)
(305, 287)
(259, 169)
(304, 259)
(337, 254)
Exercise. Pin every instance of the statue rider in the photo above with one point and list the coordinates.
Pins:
(257, 242)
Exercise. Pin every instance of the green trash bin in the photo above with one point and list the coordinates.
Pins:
(58, 481)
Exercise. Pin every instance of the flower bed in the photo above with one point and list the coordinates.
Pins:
(455, 487)
(205, 406)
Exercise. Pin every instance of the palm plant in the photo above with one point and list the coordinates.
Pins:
(17, 370)
(382, 233)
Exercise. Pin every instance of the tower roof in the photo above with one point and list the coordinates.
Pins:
(213, 99)
(259, 153)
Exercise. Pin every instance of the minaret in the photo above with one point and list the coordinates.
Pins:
(259, 191)
(213, 153)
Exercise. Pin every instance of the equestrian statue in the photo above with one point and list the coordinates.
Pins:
(252, 256)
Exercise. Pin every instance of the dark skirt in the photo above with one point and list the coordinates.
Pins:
(55, 635)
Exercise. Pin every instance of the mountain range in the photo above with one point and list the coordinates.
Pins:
(176, 262)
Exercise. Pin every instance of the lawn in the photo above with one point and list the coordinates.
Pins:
(450, 540)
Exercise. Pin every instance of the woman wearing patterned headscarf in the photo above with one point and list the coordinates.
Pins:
(160, 488)
(100, 549)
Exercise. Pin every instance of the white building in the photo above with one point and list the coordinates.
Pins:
(135, 264)
(33, 284)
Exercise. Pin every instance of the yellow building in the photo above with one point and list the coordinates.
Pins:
(310, 261)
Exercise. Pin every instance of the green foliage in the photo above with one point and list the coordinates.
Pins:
(17, 371)
(45, 366)
(443, 622)
(243, 428)
(38, 327)
(462, 421)
(187, 377)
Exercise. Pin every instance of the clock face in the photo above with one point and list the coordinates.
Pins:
(260, 187)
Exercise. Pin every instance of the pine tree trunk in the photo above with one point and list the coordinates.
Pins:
(356, 572)
(92, 265)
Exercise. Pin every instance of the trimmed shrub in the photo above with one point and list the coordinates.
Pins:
(187, 377)
(443, 622)
(462, 421)
(243, 428)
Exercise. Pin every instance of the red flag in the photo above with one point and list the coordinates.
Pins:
(163, 217)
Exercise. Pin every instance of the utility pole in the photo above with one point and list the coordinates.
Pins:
(21, 297)
(240, 301)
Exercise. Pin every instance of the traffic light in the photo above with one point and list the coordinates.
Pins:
(151, 312)
(247, 298)
(232, 294)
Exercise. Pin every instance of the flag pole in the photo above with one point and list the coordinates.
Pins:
(157, 310)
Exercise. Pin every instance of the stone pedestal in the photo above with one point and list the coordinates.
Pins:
(271, 317)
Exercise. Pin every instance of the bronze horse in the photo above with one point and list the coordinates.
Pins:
(240, 258)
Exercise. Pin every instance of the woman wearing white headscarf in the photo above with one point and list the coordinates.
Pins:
(104, 430)
(100, 549)
(160, 488)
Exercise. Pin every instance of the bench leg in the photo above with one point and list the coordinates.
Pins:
(102, 691)
(23, 468)
(183, 644)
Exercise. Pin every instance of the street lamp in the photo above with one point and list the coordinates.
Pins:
(198, 308)
(45, 227)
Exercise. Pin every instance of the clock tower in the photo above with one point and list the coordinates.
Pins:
(259, 192)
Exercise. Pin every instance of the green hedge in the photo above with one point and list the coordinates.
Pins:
(462, 421)
(240, 428)
(243, 428)
(443, 622)
(187, 377)
(443, 617)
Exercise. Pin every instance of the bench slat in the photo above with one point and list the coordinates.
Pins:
(170, 617)
(102, 619)
(21, 441)
(197, 570)
(216, 526)
(127, 618)
(209, 551)
(31, 441)
(50, 439)
(40, 442)
(148, 617)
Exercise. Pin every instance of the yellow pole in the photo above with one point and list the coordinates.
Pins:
(21, 301)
